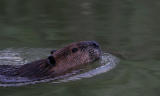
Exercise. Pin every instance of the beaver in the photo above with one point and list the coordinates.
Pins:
(59, 62)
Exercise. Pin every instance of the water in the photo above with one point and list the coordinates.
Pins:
(126, 27)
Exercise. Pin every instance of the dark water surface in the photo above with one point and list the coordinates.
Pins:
(126, 27)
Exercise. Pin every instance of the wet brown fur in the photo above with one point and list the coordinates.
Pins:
(65, 60)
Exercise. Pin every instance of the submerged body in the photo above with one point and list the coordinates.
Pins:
(60, 62)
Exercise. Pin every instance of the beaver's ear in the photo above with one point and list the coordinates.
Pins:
(52, 61)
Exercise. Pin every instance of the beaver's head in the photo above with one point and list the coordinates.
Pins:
(76, 54)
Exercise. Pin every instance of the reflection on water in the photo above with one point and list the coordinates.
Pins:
(128, 27)
(107, 63)
(10, 57)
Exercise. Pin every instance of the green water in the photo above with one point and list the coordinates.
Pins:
(127, 27)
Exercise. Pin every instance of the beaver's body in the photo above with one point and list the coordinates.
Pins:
(60, 61)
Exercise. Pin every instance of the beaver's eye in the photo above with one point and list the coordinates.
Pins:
(74, 50)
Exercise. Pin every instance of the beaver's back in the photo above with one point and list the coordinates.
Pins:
(8, 70)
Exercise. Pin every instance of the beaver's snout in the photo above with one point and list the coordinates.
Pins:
(85, 44)
(93, 49)
(94, 44)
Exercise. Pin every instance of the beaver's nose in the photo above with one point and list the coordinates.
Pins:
(94, 44)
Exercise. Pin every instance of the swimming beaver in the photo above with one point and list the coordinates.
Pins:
(59, 62)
